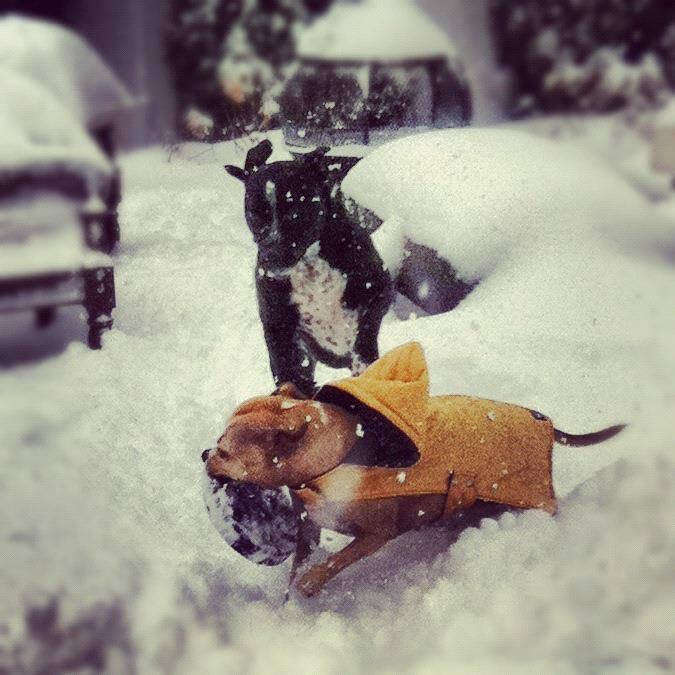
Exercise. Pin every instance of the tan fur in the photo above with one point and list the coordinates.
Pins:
(470, 449)
(250, 443)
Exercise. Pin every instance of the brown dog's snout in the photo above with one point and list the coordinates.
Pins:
(205, 454)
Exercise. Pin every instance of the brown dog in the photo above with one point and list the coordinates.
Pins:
(374, 456)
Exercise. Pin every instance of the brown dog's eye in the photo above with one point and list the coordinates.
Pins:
(286, 440)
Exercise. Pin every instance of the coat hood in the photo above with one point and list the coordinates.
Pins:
(397, 387)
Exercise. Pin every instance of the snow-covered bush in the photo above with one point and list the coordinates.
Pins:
(586, 55)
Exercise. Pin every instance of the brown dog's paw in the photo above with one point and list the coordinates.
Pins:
(312, 581)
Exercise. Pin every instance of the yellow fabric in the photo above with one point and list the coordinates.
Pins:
(501, 450)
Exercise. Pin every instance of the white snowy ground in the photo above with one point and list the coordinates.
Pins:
(100, 490)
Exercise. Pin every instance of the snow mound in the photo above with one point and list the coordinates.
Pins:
(37, 131)
(386, 30)
(102, 504)
(65, 64)
(477, 195)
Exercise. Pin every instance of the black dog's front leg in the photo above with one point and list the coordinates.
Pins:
(289, 360)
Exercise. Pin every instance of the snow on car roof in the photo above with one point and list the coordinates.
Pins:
(36, 130)
(374, 30)
(64, 63)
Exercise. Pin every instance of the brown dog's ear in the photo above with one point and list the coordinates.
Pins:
(236, 172)
(291, 390)
(257, 417)
(294, 433)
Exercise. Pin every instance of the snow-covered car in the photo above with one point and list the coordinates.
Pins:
(354, 84)
(62, 62)
(461, 207)
(54, 185)
(65, 64)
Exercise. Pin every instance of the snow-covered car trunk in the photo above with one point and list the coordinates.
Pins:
(54, 182)
(62, 62)
(59, 60)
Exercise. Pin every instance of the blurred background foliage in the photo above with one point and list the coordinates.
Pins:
(585, 55)
(228, 59)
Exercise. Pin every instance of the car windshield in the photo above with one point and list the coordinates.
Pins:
(344, 102)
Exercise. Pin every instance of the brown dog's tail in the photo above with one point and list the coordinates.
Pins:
(580, 440)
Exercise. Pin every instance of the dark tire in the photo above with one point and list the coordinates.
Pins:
(44, 317)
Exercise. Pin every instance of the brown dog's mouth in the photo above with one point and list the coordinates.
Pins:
(258, 523)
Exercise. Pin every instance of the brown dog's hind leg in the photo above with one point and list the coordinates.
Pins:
(364, 545)
(461, 494)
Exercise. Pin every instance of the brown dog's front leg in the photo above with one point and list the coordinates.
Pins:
(314, 579)
(308, 538)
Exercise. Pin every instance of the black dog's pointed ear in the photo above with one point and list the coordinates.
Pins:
(236, 172)
(318, 152)
(315, 154)
(258, 156)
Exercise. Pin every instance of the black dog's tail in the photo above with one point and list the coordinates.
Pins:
(580, 440)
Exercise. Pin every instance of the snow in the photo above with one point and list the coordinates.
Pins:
(386, 30)
(629, 144)
(62, 62)
(100, 490)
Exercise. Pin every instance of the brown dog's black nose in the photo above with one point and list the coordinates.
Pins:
(205, 454)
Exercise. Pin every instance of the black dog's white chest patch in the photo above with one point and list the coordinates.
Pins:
(317, 290)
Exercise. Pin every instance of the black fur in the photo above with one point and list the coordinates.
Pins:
(290, 206)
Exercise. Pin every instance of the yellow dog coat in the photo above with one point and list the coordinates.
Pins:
(469, 448)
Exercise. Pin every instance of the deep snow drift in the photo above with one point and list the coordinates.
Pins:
(101, 457)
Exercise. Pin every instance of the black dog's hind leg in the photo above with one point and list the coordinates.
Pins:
(290, 361)
(370, 319)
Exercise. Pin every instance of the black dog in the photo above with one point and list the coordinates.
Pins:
(322, 287)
